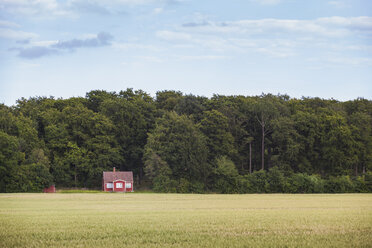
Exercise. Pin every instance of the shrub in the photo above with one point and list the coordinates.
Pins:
(275, 181)
(368, 181)
(360, 185)
(303, 183)
(30, 178)
(225, 176)
(257, 181)
(183, 186)
(341, 184)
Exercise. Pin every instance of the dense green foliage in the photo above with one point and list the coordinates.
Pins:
(185, 143)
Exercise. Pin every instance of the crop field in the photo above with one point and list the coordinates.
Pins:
(185, 220)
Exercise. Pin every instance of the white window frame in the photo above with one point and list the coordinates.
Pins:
(119, 185)
(128, 185)
(109, 185)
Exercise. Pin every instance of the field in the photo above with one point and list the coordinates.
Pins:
(185, 220)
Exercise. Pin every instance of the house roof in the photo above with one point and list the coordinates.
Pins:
(110, 176)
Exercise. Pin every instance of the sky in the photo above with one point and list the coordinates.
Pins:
(317, 48)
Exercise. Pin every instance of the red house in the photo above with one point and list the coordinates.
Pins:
(117, 181)
(50, 189)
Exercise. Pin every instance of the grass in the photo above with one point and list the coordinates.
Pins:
(185, 220)
(79, 191)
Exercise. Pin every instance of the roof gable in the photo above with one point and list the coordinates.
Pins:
(110, 176)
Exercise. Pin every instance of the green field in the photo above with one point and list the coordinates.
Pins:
(185, 220)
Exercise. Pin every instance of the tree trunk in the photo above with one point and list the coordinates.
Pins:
(250, 157)
(356, 170)
(263, 144)
(269, 164)
(75, 178)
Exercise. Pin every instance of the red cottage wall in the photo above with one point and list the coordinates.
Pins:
(51, 189)
(129, 189)
(119, 183)
(105, 188)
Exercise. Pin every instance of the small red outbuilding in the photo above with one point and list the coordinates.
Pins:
(117, 181)
(50, 189)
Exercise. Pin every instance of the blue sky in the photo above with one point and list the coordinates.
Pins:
(296, 47)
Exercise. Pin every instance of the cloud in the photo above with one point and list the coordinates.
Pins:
(196, 24)
(335, 60)
(158, 11)
(46, 48)
(8, 24)
(328, 26)
(276, 38)
(338, 4)
(9, 30)
(135, 46)
(151, 59)
(203, 57)
(16, 34)
(89, 7)
(31, 7)
(36, 52)
(23, 42)
(357, 61)
(171, 35)
(102, 39)
(40, 8)
(267, 2)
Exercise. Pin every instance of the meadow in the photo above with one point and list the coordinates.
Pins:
(185, 220)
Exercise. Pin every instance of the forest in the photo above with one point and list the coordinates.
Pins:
(175, 142)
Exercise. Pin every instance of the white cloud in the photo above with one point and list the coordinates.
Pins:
(171, 35)
(328, 26)
(352, 61)
(43, 43)
(8, 24)
(69, 7)
(275, 38)
(203, 57)
(350, 23)
(73, 8)
(134, 46)
(267, 2)
(334, 60)
(151, 59)
(16, 34)
(338, 4)
(30, 7)
(157, 11)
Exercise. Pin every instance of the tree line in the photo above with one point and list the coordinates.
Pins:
(185, 143)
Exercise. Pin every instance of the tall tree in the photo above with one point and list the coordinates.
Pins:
(178, 142)
(215, 127)
(267, 108)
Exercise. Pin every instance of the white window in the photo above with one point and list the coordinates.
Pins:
(119, 185)
(109, 185)
(128, 185)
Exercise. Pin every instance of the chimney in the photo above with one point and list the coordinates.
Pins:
(114, 169)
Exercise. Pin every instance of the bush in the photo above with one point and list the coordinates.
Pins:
(225, 176)
(341, 184)
(29, 178)
(275, 181)
(183, 186)
(258, 182)
(197, 187)
(316, 184)
(303, 183)
(163, 183)
(368, 181)
(360, 185)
